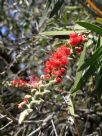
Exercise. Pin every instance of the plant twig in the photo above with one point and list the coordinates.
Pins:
(54, 127)
(42, 125)
(7, 113)
(6, 125)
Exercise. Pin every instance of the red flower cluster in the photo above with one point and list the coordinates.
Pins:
(33, 82)
(56, 64)
(75, 39)
(18, 83)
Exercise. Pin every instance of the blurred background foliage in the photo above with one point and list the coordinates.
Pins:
(25, 45)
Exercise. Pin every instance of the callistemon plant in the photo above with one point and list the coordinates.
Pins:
(54, 70)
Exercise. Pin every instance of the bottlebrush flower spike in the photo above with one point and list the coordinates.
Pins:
(62, 70)
(64, 50)
(18, 83)
(47, 76)
(75, 39)
(58, 79)
(73, 35)
(58, 60)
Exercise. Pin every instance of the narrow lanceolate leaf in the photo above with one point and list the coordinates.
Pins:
(56, 8)
(71, 8)
(91, 67)
(98, 42)
(91, 27)
(71, 113)
(96, 57)
(98, 84)
(64, 32)
(76, 85)
(70, 107)
(46, 12)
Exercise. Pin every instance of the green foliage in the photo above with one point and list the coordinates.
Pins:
(93, 66)
(95, 59)
(78, 77)
(52, 8)
(64, 32)
(56, 8)
(91, 27)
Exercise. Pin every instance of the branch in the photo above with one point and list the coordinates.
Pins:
(6, 125)
(42, 125)
(54, 127)
(7, 113)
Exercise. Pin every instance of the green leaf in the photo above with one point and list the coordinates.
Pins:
(91, 71)
(45, 15)
(70, 107)
(71, 8)
(91, 68)
(91, 27)
(78, 27)
(97, 54)
(98, 84)
(52, 9)
(98, 42)
(76, 85)
(43, 18)
(56, 8)
(64, 32)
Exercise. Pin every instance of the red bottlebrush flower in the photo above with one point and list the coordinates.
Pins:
(80, 38)
(73, 35)
(57, 55)
(56, 72)
(68, 51)
(59, 72)
(47, 70)
(47, 76)
(58, 79)
(21, 83)
(64, 60)
(48, 64)
(64, 50)
(73, 41)
(18, 83)
(78, 49)
(14, 82)
(62, 70)
(55, 65)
